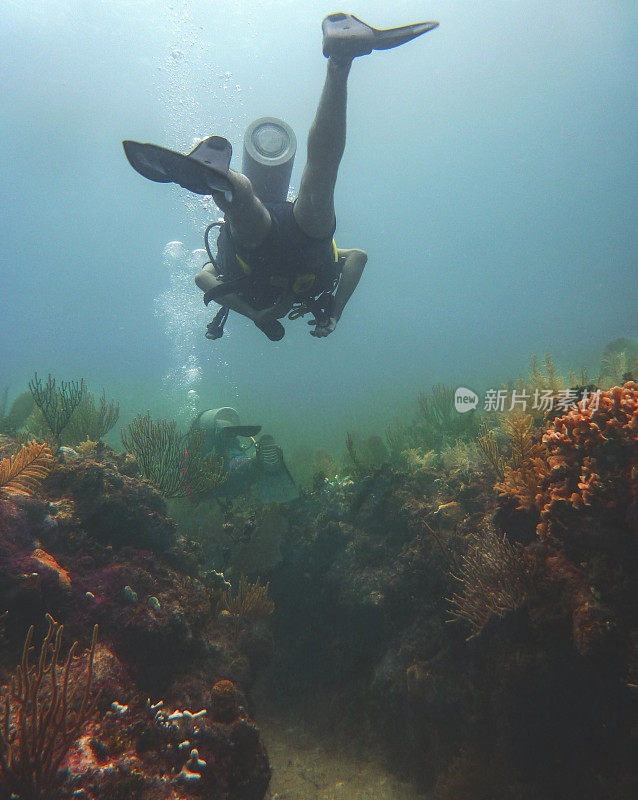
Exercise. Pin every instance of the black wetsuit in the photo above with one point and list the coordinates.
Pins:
(287, 260)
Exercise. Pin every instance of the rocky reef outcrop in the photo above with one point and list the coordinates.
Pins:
(480, 627)
(170, 676)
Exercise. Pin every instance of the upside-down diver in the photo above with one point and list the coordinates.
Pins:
(277, 257)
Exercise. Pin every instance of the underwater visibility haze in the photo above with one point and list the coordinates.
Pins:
(488, 173)
(396, 558)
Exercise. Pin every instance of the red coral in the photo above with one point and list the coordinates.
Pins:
(593, 459)
(44, 560)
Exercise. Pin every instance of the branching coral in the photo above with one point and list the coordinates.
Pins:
(619, 362)
(172, 461)
(435, 425)
(56, 402)
(437, 418)
(401, 438)
(491, 452)
(519, 428)
(23, 472)
(437, 408)
(87, 448)
(541, 388)
(43, 712)
(353, 453)
(545, 375)
(7, 445)
(417, 461)
(522, 468)
(460, 458)
(494, 578)
(250, 603)
(527, 467)
(91, 420)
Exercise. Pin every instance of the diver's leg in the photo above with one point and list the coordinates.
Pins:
(248, 217)
(314, 208)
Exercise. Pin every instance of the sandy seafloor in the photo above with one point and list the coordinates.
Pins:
(307, 766)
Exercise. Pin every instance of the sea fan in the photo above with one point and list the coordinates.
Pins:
(23, 472)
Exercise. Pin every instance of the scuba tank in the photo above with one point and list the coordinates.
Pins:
(222, 427)
(270, 145)
(269, 154)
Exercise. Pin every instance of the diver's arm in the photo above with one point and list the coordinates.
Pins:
(207, 279)
(352, 263)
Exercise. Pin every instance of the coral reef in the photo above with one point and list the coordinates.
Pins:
(248, 605)
(619, 363)
(536, 544)
(526, 467)
(434, 426)
(44, 711)
(543, 376)
(23, 472)
(92, 545)
(366, 454)
(592, 454)
(494, 578)
(91, 420)
(57, 402)
(462, 597)
(171, 461)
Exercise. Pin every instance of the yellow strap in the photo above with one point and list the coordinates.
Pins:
(244, 265)
(303, 282)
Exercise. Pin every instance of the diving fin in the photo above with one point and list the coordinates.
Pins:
(203, 171)
(272, 483)
(345, 36)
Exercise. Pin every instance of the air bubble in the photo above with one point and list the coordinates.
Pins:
(174, 251)
(197, 259)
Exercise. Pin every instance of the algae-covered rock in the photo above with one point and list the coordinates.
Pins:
(93, 548)
(111, 507)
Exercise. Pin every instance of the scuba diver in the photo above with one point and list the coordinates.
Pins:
(251, 465)
(276, 257)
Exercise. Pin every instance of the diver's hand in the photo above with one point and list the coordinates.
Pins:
(325, 329)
